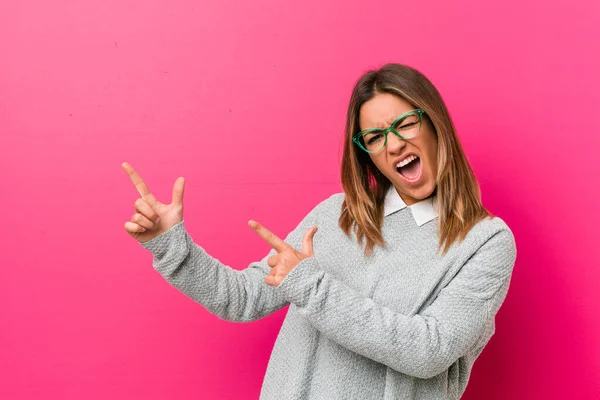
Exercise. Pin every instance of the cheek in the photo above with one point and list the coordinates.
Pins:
(377, 161)
(381, 166)
(433, 152)
(431, 146)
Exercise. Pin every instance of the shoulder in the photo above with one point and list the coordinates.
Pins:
(491, 236)
(490, 227)
(327, 209)
(336, 199)
(332, 203)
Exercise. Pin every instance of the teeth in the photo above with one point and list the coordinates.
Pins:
(406, 161)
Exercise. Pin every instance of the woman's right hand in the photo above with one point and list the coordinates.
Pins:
(151, 217)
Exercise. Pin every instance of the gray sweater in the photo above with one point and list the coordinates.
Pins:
(404, 323)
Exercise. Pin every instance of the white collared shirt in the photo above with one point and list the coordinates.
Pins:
(422, 211)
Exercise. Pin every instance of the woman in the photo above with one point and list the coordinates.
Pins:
(396, 296)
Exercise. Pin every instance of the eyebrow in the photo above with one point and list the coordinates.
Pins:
(387, 124)
(397, 116)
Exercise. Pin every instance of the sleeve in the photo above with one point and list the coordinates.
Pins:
(421, 345)
(230, 294)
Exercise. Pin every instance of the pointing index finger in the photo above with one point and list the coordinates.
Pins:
(137, 180)
(273, 240)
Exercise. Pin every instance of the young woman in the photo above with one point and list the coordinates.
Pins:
(396, 295)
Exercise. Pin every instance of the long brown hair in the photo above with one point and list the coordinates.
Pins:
(457, 195)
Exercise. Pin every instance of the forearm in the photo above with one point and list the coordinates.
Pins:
(421, 345)
(228, 293)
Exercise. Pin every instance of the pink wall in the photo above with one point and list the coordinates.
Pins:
(246, 100)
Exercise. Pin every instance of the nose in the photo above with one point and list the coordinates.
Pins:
(394, 143)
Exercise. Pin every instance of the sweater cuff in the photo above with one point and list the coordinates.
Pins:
(159, 245)
(297, 286)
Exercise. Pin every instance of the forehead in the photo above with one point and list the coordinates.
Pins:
(381, 110)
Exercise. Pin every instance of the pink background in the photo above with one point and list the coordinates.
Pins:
(247, 100)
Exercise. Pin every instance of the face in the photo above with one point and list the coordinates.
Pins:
(414, 181)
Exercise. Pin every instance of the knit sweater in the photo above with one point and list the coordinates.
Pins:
(403, 323)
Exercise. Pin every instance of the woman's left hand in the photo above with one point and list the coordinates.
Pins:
(287, 257)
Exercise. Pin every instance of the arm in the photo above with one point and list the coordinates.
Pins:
(421, 345)
(230, 294)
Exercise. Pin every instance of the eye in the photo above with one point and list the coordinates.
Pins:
(408, 122)
(374, 138)
(406, 126)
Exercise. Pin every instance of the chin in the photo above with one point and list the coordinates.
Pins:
(425, 191)
(421, 192)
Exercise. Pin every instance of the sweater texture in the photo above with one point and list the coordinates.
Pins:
(403, 323)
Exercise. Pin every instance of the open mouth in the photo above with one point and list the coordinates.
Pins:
(411, 171)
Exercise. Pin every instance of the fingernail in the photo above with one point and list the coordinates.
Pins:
(143, 229)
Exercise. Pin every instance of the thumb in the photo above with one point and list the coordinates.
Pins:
(307, 241)
(178, 190)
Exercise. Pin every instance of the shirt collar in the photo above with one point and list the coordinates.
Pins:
(422, 211)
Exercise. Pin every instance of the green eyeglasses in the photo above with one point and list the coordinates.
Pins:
(375, 139)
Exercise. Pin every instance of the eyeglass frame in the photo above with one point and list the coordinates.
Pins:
(356, 138)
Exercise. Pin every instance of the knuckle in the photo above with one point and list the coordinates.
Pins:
(140, 218)
(280, 274)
